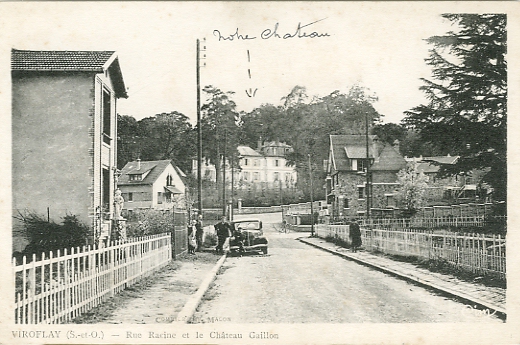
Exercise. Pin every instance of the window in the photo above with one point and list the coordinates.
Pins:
(287, 176)
(361, 192)
(255, 162)
(361, 165)
(255, 176)
(106, 112)
(130, 196)
(159, 198)
(345, 203)
(136, 177)
(276, 176)
(106, 189)
(169, 180)
(246, 161)
(276, 163)
(390, 200)
(246, 176)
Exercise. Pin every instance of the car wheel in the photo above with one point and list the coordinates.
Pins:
(264, 250)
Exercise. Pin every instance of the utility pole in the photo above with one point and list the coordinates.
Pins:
(224, 205)
(312, 197)
(367, 188)
(199, 135)
(232, 188)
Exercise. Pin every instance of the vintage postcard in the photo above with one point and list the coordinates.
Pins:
(259, 172)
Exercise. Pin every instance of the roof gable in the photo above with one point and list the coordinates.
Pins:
(389, 160)
(70, 61)
(150, 169)
(353, 146)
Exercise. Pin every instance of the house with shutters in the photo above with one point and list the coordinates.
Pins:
(64, 136)
(346, 186)
(158, 185)
(265, 167)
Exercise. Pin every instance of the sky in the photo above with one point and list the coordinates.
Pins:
(379, 46)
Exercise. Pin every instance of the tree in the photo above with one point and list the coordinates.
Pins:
(306, 124)
(127, 140)
(163, 136)
(220, 130)
(168, 136)
(413, 188)
(466, 114)
(389, 132)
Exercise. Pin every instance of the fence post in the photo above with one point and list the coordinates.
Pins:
(111, 269)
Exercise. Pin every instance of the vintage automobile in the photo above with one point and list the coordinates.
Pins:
(248, 236)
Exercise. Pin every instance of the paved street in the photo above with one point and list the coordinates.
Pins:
(297, 283)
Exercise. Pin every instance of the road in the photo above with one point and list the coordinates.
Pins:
(296, 283)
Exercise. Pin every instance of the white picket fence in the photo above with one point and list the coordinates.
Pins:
(62, 286)
(406, 223)
(477, 253)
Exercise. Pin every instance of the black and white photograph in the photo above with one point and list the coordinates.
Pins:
(259, 172)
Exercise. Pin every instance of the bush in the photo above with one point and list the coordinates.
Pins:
(210, 240)
(45, 236)
(150, 222)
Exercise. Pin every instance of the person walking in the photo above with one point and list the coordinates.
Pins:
(192, 242)
(355, 235)
(199, 232)
(223, 230)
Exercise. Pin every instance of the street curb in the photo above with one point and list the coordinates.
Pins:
(417, 280)
(185, 315)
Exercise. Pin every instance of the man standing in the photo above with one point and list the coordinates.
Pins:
(222, 229)
(355, 235)
(199, 232)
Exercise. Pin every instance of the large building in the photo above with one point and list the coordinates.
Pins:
(64, 134)
(265, 167)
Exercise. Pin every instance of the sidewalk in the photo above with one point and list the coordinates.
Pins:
(493, 298)
(169, 295)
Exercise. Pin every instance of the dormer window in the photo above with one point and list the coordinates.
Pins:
(136, 177)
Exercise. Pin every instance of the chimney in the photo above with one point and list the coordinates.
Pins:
(259, 144)
(375, 147)
(138, 164)
(396, 145)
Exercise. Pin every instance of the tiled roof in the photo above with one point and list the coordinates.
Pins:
(430, 165)
(32, 60)
(359, 152)
(356, 143)
(24, 61)
(389, 160)
(155, 168)
(247, 151)
(442, 159)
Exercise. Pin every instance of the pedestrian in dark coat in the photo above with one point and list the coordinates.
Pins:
(355, 235)
(199, 233)
(192, 243)
(223, 230)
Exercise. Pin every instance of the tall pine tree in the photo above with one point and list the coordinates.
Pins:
(467, 110)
